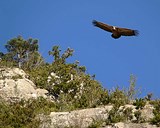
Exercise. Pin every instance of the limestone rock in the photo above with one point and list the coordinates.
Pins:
(78, 118)
(131, 125)
(147, 112)
(11, 72)
(14, 85)
(85, 117)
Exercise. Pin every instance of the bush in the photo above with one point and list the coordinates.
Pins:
(128, 114)
(68, 83)
(138, 115)
(132, 92)
(23, 113)
(140, 103)
(115, 115)
(39, 75)
(156, 112)
(96, 124)
(156, 119)
(118, 97)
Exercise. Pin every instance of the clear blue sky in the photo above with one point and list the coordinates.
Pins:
(68, 23)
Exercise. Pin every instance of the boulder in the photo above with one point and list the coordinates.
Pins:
(78, 118)
(15, 85)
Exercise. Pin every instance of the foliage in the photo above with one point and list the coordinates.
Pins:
(23, 113)
(128, 114)
(16, 77)
(114, 115)
(132, 92)
(40, 75)
(96, 124)
(119, 114)
(6, 60)
(118, 97)
(139, 103)
(68, 83)
(60, 58)
(138, 115)
(156, 119)
(22, 53)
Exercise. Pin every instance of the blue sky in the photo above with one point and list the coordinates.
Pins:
(69, 24)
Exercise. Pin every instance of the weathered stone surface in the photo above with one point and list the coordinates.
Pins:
(14, 85)
(131, 125)
(147, 112)
(84, 118)
(11, 72)
(79, 118)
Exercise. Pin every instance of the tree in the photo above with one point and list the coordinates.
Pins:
(132, 91)
(60, 58)
(24, 52)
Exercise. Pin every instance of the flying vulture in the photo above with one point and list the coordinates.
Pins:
(116, 31)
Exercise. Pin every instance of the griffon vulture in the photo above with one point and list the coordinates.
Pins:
(117, 32)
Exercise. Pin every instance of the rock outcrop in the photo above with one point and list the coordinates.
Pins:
(82, 118)
(86, 117)
(15, 85)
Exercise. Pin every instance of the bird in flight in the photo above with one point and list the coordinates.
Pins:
(117, 32)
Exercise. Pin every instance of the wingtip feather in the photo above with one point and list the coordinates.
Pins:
(136, 32)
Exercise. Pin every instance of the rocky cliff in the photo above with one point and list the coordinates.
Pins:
(15, 85)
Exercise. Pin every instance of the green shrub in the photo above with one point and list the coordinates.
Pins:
(118, 97)
(115, 115)
(119, 114)
(138, 115)
(40, 75)
(72, 88)
(128, 114)
(23, 113)
(96, 124)
(17, 77)
(132, 92)
(139, 103)
(156, 119)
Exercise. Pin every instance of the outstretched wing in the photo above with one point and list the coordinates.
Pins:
(127, 32)
(102, 26)
(116, 31)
